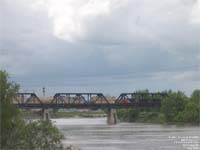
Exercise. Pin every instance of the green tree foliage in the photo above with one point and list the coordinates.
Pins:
(172, 105)
(15, 132)
(191, 113)
(195, 97)
(10, 119)
(46, 136)
(175, 108)
(129, 115)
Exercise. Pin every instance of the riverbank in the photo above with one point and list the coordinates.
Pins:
(64, 114)
(155, 117)
(124, 115)
(72, 114)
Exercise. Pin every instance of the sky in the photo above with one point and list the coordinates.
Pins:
(109, 46)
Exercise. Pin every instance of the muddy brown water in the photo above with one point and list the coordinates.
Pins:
(95, 134)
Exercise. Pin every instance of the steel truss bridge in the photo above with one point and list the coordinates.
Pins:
(88, 101)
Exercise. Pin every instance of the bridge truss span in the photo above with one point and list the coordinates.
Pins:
(79, 98)
(137, 97)
(26, 98)
(88, 100)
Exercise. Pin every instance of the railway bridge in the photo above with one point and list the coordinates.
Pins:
(88, 101)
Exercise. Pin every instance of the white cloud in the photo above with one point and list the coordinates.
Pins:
(69, 16)
(196, 13)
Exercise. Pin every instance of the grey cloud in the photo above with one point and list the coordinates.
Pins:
(138, 38)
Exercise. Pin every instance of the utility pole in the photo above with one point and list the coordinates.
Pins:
(43, 91)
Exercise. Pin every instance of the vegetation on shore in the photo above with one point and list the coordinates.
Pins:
(64, 114)
(177, 108)
(15, 133)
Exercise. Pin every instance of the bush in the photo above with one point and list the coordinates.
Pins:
(41, 135)
(130, 115)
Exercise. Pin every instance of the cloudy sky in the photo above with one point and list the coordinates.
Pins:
(108, 46)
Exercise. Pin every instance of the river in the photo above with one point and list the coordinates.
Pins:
(95, 134)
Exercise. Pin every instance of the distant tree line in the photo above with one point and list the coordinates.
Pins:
(175, 108)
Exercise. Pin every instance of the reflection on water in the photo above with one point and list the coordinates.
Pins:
(95, 134)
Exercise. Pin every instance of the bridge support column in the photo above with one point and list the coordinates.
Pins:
(45, 114)
(111, 116)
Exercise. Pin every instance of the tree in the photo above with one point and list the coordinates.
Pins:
(172, 105)
(191, 113)
(195, 97)
(10, 119)
(15, 133)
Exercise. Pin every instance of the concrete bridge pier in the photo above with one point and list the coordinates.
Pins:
(45, 114)
(111, 116)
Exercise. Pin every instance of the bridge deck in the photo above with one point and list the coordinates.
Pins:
(89, 106)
